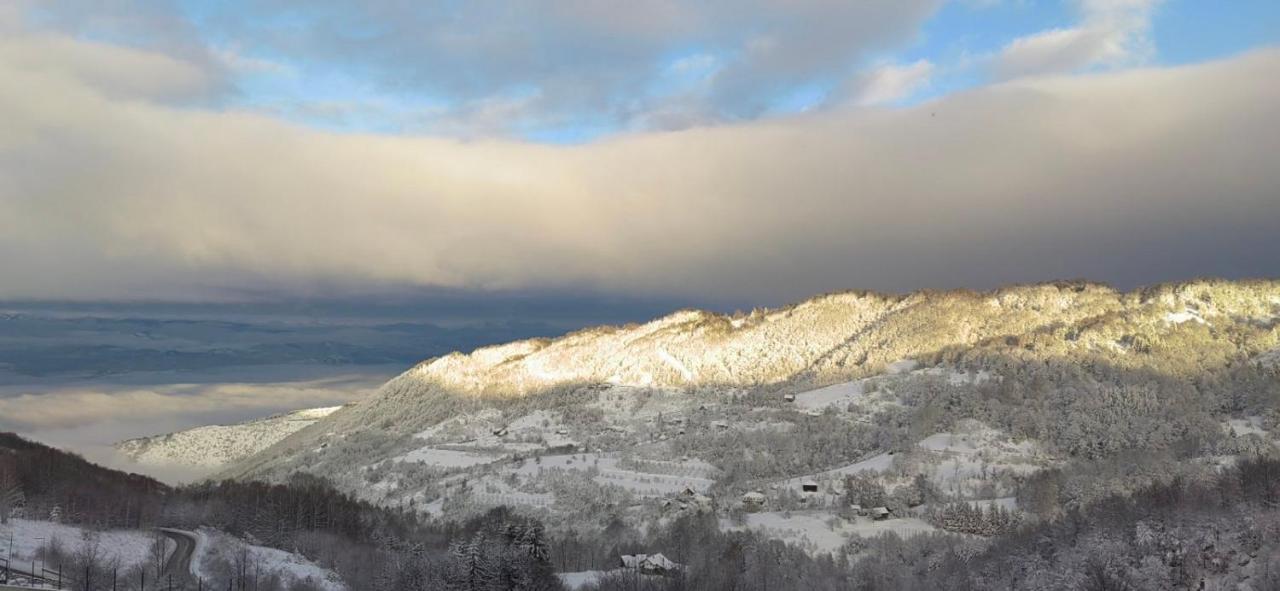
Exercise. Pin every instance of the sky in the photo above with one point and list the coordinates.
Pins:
(712, 152)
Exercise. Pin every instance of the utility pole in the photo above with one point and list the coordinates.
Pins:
(34, 572)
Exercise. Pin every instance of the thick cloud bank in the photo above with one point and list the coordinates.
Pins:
(107, 190)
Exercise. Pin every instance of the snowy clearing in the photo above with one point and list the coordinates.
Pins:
(838, 394)
(1246, 426)
(1183, 317)
(822, 531)
(649, 478)
(448, 458)
(577, 580)
(130, 547)
(215, 550)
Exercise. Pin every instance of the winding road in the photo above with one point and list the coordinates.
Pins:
(179, 562)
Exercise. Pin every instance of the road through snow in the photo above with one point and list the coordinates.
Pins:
(179, 562)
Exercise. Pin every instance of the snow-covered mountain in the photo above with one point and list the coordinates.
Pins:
(218, 445)
(781, 401)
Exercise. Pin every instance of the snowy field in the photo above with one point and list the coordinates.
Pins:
(822, 531)
(213, 546)
(839, 395)
(448, 458)
(577, 580)
(129, 547)
(667, 477)
(1246, 426)
(959, 463)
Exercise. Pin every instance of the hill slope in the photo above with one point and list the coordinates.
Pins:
(217, 445)
(1050, 373)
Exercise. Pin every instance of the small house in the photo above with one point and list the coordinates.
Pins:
(880, 513)
(649, 563)
(789, 397)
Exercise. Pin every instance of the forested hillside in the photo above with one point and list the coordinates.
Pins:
(46, 490)
(827, 424)
(213, 446)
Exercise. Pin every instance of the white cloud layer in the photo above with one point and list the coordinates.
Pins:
(537, 64)
(890, 83)
(90, 418)
(107, 191)
(1112, 33)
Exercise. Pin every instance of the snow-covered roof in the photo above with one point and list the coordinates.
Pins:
(660, 562)
(653, 562)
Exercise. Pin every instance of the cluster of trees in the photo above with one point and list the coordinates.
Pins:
(1208, 533)
(39, 481)
(968, 518)
(506, 552)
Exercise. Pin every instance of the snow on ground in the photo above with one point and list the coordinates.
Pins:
(841, 395)
(580, 579)
(624, 404)
(1246, 426)
(838, 394)
(964, 460)
(666, 477)
(130, 547)
(879, 463)
(1185, 315)
(494, 492)
(955, 378)
(822, 531)
(577, 580)
(218, 445)
(1006, 503)
(448, 458)
(214, 546)
(959, 462)
(975, 438)
(901, 366)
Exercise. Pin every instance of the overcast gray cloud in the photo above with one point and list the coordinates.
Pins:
(1141, 175)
